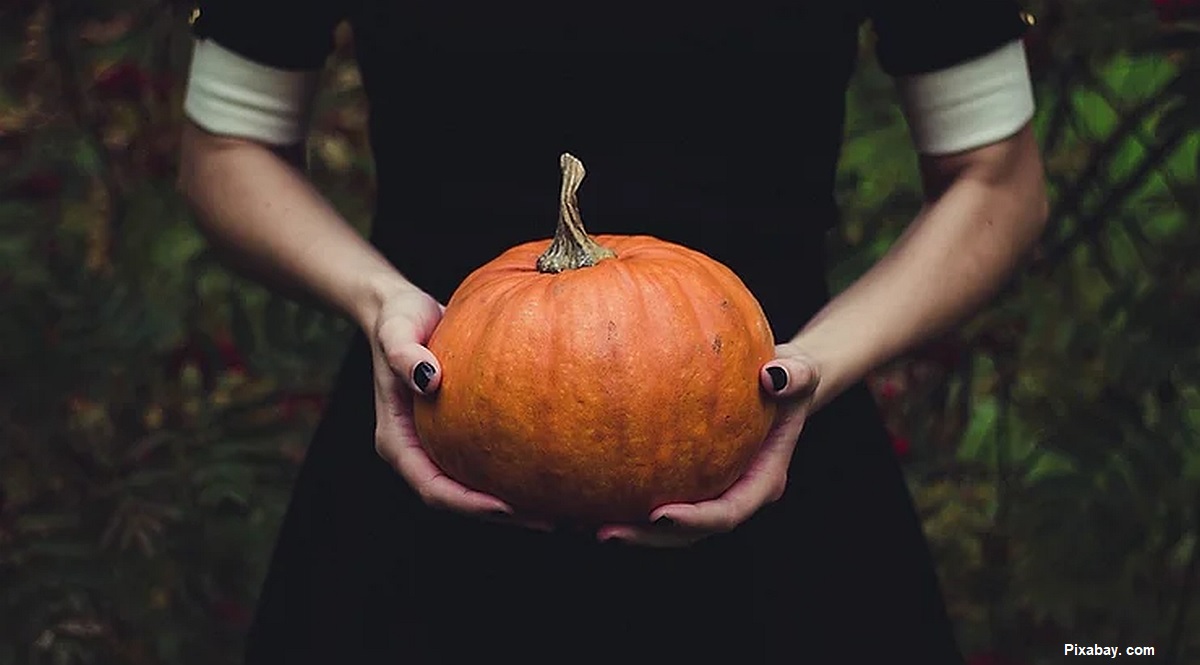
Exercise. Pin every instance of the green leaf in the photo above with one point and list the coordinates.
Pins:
(1048, 465)
(86, 158)
(1097, 118)
(1191, 468)
(978, 442)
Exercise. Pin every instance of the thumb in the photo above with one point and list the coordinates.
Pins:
(789, 376)
(417, 365)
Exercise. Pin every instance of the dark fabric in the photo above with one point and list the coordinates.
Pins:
(920, 36)
(714, 126)
(287, 34)
(710, 142)
(837, 572)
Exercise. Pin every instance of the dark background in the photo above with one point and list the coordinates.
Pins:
(153, 409)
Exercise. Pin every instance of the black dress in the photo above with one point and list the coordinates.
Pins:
(713, 125)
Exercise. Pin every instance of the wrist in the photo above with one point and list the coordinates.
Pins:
(375, 290)
(839, 362)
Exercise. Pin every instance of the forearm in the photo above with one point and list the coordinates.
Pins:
(273, 225)
(981, 220)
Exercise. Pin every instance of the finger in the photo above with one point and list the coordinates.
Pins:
(723, 514)
(397, 443)
(789, 376)
(445, 493)
(417, 365)
(388, 402)
(400, 447)
(763, 483)
(399, 341)
(440, 491)
(726, 512)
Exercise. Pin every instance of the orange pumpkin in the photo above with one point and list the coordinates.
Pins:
(596, 379)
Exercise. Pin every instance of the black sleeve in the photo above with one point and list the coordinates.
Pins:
(921, 36)
(285, 34)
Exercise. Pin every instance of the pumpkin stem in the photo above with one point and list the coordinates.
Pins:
(572, 248)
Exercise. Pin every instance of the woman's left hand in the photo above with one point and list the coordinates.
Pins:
(790, 378)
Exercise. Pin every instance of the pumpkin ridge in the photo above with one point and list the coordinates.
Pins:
(729, 279)
(687, 396)
(534, 367)
(733, 291)
(487, 345)
(485, 278)
(617, 323)
(636, 441)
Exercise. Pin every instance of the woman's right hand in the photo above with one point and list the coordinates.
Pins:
(404, 366)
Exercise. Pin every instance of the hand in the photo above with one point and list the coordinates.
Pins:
(791, 378)
(402, 364)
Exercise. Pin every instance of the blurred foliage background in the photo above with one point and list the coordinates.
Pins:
(153, 409)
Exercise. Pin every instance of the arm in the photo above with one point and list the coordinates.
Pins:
(986, 207)
(968, 101)
(242, 148)
(247, 107)
(271, 223)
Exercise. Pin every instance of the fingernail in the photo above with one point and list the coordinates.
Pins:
(423, 374)
(779, 377)
(664, 521)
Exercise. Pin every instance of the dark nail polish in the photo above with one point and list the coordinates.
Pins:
(664, 521)
(422, 374)
(779, 378)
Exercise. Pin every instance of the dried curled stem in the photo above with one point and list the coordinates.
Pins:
(572, 248)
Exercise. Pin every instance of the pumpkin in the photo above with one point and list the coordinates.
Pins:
(593, 379)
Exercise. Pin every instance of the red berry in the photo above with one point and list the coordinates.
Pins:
(1170, 11)
(163, 85)
(123, 80)
(232, 613)
(888, 389)
(292, 405)
(38, 186)
(231, 355)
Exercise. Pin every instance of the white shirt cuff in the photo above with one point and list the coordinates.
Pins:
(971, 104)
(230, 95)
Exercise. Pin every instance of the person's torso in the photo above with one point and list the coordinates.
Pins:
(713, 125)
